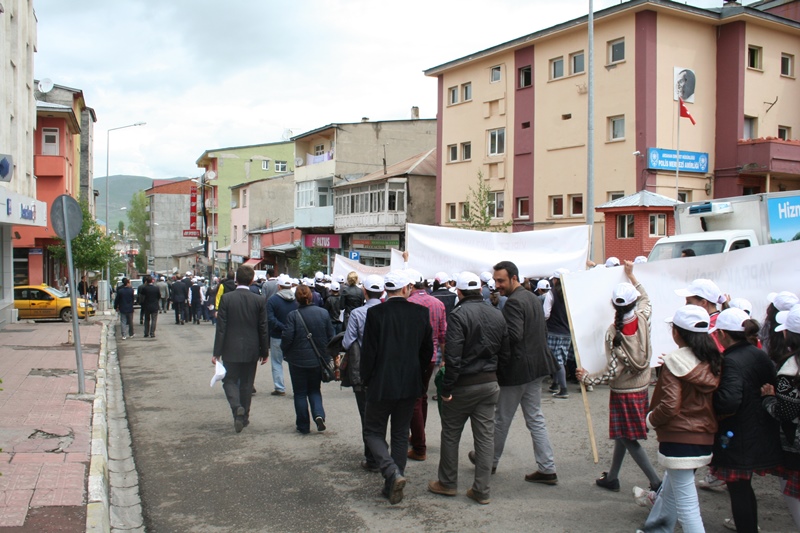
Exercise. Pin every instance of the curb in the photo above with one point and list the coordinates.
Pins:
(98, 518)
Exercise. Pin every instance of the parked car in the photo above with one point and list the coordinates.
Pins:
(42, 301)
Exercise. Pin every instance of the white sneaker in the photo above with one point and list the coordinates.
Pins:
(124, 337)
(644, 497)
(589, 388)
(729, 524)
(710, 482)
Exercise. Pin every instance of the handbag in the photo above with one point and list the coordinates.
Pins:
(327, 368)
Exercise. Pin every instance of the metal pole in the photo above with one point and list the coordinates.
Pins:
(678, 152)
(74, 303)
(590, 138)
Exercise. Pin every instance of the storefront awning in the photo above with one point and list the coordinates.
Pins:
(252, 262)
(283, 248)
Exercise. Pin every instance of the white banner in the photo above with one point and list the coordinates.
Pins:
(342, 266)
(538, 253)
(750, 273)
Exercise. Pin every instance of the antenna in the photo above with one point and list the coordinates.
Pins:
(287, 134)
(298, 162)
(45, 85)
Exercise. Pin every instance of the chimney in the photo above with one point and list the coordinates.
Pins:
(364, 119)
(414, 113)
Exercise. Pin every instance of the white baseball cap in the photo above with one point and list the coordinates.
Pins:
(639, 260)
(491, 285)
(703, 288)
(188, 273)
(442, 277)
(612, 262)
(731, 319)
(559, 273)
(467, 281)
(543, 285)
(340, 278)
(624, 294)
(789, 320)
(485, 277)
(414, 276)
(335, 285)
(374, 283)
(741, 303)
(319, 276)
(691, 318)
(783, 301)
(284, 281)
(395, 280)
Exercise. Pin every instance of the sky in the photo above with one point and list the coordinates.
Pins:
(207, 74)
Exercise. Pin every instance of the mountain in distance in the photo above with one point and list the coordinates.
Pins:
(120, 192)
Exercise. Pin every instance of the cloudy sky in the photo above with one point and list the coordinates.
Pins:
(209, 73)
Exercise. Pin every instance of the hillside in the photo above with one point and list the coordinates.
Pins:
(122, 188)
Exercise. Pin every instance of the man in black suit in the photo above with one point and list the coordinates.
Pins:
(180, 293)
(397, 347)
(242, 338)
(149, 295)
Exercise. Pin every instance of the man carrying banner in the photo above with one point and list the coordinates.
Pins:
(521, 379)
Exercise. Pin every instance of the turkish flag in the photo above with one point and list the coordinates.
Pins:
(685, 112)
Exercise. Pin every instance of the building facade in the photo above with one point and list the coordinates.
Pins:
(517, 113)
(171, 221)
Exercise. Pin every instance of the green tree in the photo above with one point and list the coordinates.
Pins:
(309, 261)
(121, 228)
(138, 228)
(480, 208)
(91, 249)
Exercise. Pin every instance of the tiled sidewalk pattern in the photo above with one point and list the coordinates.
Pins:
(45, 437)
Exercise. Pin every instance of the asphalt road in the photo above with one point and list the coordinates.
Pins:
(197, 474)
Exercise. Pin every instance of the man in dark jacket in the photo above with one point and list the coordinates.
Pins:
(477, 338)
(196, 301)
(241, 340)
(521, 379)
(278, 308)
(123, 304)
(149, 295)
(180, 293)
(398, 342)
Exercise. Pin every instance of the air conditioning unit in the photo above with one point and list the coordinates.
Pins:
(711, 209)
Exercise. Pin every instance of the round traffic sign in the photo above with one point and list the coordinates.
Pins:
(74, 217)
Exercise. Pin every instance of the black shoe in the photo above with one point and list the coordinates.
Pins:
(370, 467)
(603, 481)
(396, 485)
(320, 423)
(253, 393)
(471, 457)
(238, 420)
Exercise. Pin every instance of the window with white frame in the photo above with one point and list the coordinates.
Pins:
(576, 63)
(750, 127)
(464, 210)
(625, 226)
(576, 205)
(466, 151)
(784, 133)
(523, 207)
(616, 128)
(305, 194)
(281, 166)
(49, 141)
(452, 97)
(235, 233)
(658, 225)
(497, 141)
(496, 206)
(494, 74)
(466, 92)
(754, 55)
(244, 197)
(787, 65)
(452, 153)
(616, 50)
(557, 206)
(265, 164)
(615, 195)
(451, 211)
(556, 68)
(397, 197)
(319, 149)
(324, 195)
(684, 196)
(525, 77)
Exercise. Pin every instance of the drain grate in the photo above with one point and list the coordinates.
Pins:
(57, 372)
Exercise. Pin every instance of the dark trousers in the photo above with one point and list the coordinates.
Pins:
(743, 505)
(180, 311)
(150, 319)
(420, 416)
(164, 304)
(361, 402)
(376, 419)
(306, 386)
(126, 321)
(141, 315)
(196, 313)
(238, 385)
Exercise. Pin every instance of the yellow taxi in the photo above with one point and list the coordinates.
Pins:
(43, 301)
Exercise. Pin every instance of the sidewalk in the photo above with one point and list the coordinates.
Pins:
(45, 429)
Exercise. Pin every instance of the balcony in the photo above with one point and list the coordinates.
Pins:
(769, 156)
(370, 222)
(211, 204)
(50, 166)
(321, 170)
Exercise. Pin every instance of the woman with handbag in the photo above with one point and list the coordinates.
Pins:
(308, 331)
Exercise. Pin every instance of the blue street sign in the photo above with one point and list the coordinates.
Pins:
(355, 256)
(662, 159)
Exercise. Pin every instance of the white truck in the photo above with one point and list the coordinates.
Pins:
(726, 224)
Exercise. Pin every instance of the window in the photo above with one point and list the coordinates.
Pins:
(616, 195)
(556, 68)
(494, 75)
(556, 206)
(464, 210)
(49, 141)
(658, 225)
(453, 95)
(754, 57)
(265, 164)
(466, 92)
(466, 151)
(576, 205)
(397, 197)
(787, 65)
(244, 232)
(750, 128)
(244, 197)
(625, 225)
(452, 153)
(525, 79)
(616, 50)
(616, 128)
(576, 62)
(784, 133)
(451, 211)
(235, 233)
(305, 194)
(684, 196)
(319, 149)
(280, 166)
(523, 207)
(324, 196)
(497, 141)
(497, 204)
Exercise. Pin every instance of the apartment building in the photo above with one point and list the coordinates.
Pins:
(175, 227)
(517, 113)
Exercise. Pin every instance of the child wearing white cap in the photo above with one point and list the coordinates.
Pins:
(773, 342)
(627, 372)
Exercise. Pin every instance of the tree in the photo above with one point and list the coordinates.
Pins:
(91, 249)
(480, 209)
(310, 261)
(138, 228)
(121, 228)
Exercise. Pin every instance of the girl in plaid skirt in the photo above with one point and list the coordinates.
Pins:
(627, 372)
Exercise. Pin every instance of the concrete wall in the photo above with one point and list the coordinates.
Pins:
(421, 202)
(171, 213)
(272, 202)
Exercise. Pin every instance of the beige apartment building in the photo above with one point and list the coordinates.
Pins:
(517, 113)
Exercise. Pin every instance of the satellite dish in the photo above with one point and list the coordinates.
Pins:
(45, 85)
(210, 175)
(287, 134)
(298, 162)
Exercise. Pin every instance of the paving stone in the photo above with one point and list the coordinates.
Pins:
(125, 496)
(126, 517)
(124, 465)
(37, 458)
(124, 479)
(119, 453)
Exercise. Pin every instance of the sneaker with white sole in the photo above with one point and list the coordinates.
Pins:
(729, 524)
(644, 497)
(709, 482)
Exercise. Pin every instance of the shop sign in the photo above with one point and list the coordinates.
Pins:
(322, 241)
(385, 241)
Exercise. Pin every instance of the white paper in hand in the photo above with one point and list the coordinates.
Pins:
(219, 373)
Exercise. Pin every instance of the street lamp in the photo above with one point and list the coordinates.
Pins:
(108, 151)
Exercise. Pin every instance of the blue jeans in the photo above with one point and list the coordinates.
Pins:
(306, 384)
(677, 501)
(276, 360)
